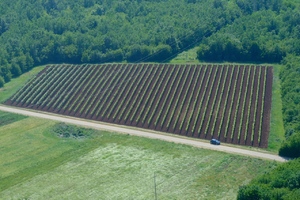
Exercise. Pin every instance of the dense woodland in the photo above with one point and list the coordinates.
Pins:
(36, 32)
(283, 182)
(96, 31)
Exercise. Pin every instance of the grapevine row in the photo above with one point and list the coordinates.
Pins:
(216, 101)
(190, 98)
(207, 78)
(193, 110)
(203, 114)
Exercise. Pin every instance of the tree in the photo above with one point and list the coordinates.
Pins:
(137, 52)
(255, 52)
(88, 3)
(3, 25)
(50, 5)
(5, 73)
(162, 53)
(15, 70)
(2, 82)
(252, 192)
(291, 147)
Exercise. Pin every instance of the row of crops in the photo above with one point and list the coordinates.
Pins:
(228, 102)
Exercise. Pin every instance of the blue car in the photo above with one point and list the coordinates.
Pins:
(215, 141)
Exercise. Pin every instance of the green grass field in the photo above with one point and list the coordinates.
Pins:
(35, 163)
(188, 56)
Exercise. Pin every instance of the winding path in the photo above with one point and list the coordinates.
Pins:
(145, 133)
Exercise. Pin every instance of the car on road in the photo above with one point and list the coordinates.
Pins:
(215, 141)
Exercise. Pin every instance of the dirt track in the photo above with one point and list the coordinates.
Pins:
(145, 133)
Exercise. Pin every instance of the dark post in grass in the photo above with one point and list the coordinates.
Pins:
(154, 177)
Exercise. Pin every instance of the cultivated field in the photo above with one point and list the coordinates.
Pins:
(231, 103)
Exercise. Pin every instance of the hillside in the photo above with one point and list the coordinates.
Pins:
(97, 31)
(82, 32)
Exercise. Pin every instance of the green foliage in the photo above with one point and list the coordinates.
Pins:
(290, 77)
(5, 74)
(50, 31)
(69, 131)
(280, 183)
(16, 70)
(260, 37)
(2, 82)
(253, 192)
(291, 147)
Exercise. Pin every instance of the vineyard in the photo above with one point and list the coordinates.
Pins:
(229, 102)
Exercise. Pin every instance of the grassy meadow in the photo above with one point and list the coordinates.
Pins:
(37, 163)
(188, 56)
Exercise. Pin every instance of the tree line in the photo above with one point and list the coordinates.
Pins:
(290, 91)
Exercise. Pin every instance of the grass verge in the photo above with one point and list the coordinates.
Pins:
(276, 129)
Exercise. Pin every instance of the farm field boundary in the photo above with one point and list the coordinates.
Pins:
(229, 102)
(142, 133)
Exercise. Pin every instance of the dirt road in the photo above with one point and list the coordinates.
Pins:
(145, 133)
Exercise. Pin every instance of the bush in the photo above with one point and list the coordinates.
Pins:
(253, 191)
(291, 147)
(69, 131)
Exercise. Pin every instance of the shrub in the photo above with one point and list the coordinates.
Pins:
(291, 147)
(283, 182)
(253, 191)
(69, 131)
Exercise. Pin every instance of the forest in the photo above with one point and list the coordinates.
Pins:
(37, 32)
(96, 31)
